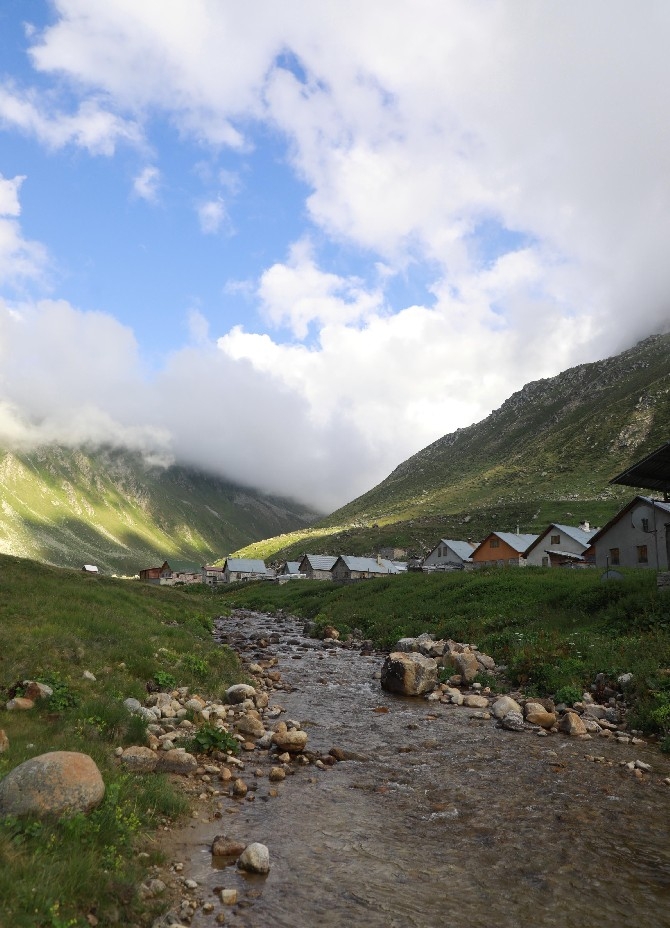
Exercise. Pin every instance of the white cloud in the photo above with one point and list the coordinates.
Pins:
(298, 293)
(211, 215)
(92, 126)
(146, 183)
(20, 259)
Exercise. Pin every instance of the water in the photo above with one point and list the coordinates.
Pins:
(450, 821)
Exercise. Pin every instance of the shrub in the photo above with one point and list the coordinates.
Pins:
(208, 739)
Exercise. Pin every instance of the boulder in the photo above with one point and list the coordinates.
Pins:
(513, 721)
(410, 674)
(473, 701)
(56, 783)
(248, 725)
(464, 662)
(176, 760)
(255, 859)
(35, 691)
(503, 705)
(140, 759)
(291, 740)
(330, 632)
(239, 692)
(20, 703)
(572, 724)
(223, 846)
(537, 714)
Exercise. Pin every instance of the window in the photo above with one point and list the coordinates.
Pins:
(642, 554)
(645, 525)
(495, 543)
(545, 562)
(555, 539)
(614, 555)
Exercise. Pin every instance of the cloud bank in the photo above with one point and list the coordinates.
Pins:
(511, 156)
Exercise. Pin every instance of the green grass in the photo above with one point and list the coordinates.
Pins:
(54, 624)
(551, 628)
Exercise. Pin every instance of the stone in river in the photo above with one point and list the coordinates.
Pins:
(409, 674)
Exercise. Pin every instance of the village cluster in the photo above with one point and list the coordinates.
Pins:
(638, 536)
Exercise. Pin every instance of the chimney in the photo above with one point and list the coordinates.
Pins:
(585, 526)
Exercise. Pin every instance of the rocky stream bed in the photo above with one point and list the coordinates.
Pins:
(409, 812)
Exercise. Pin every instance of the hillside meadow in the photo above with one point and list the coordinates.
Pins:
(54, 625)
(553, 630)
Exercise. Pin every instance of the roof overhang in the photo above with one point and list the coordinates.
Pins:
(652, 473)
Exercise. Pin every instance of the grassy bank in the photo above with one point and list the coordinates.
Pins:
(554, 630)
(54, 625)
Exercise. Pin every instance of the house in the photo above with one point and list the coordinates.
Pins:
(243, 568)
(347, 567)
(448, 553)
(392, 554)
(504, 549)
(317, 566)
(561, 546)
(212, 575)
(637, 536)
(90, 569)
(289, 568)
(182, 578)
(156, 574)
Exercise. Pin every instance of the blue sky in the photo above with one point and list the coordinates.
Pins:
(349, 229)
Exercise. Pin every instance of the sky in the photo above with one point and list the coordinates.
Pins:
(294, 243)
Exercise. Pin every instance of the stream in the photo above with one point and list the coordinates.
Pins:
(450, 820)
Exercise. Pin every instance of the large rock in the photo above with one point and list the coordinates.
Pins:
(292, 740)
(57, 783)
(572, 724)
(177, 760)
(465, 663)
(537, 714)
(503, 705)
(139, 759)
(239, 692)
(410, 674)
(255, 859)
(474, 701)
(248, 725)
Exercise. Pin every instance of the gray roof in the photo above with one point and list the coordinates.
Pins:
(245, 565)
(292, 567)
(370, 564)
(320, 561)
(463, 549)
(520, 543)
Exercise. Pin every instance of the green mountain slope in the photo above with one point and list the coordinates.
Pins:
(546, 454)
(112, 509)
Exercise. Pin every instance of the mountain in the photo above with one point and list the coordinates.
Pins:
(112, 508)
(547, 454)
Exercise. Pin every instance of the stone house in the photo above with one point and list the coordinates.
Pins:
(347, 567)
(317, 566)
(243, 568)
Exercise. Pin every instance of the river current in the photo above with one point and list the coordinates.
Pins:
(449, 821)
